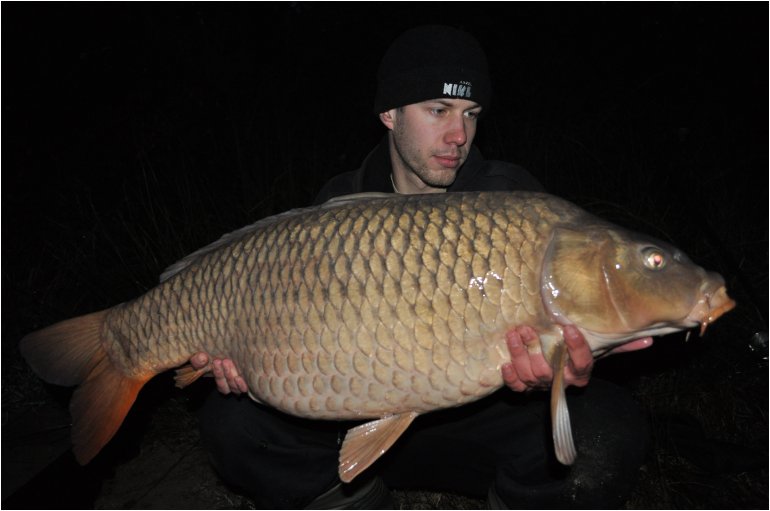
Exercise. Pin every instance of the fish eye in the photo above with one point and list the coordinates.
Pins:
(654, 258)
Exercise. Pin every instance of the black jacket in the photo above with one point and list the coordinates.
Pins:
(476, 174)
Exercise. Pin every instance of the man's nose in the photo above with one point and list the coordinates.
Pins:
(456, 134)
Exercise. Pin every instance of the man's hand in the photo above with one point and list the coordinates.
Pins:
(226, 375)
(528, 371)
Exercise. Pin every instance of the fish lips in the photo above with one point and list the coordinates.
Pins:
(713, 303)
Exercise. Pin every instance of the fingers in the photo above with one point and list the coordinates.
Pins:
(581, 361)
(511, 378)
(219, 376)
(528, 368)
(227, 377)
(234, 378)
(199, 360)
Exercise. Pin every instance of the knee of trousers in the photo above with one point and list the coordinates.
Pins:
(272, 457)
(611, 434)
(606, 417)
(612, 440)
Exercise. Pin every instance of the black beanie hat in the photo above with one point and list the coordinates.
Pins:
(431, 62)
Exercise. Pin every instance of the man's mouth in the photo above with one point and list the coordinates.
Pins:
(451, 162)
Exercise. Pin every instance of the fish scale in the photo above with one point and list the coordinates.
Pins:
(381, 307)
(330, 315)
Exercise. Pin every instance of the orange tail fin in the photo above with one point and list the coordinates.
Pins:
(71, 353)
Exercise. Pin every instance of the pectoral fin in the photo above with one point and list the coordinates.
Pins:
(562, 429)
(367, 442)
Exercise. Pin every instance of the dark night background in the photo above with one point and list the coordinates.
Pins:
(137, 133)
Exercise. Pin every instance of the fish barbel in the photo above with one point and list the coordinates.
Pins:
(380, 307)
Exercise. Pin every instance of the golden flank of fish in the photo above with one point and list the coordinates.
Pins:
(380, 307)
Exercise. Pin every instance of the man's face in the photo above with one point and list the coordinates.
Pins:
(431, 140)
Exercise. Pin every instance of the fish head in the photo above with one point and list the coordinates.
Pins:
(617, 285)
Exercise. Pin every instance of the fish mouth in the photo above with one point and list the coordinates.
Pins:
(712, 305)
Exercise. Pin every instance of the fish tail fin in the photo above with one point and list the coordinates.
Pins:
(563, 443)
(100, 405)
(71, 353)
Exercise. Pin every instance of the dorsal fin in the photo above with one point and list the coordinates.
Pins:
(243, 231)
(221, 242)
(355, 197)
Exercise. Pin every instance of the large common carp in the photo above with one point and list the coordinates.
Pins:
(381, 307)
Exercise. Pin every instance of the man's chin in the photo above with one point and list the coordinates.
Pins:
(442, 178)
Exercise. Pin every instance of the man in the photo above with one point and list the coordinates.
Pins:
(432, 87)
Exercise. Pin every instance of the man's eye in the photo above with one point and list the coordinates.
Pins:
(472, 115)
(437, 111)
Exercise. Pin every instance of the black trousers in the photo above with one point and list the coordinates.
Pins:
(503, 441)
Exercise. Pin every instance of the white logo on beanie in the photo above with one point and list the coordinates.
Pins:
(462, 89)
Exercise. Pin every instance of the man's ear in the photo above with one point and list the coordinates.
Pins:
(388, 118)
